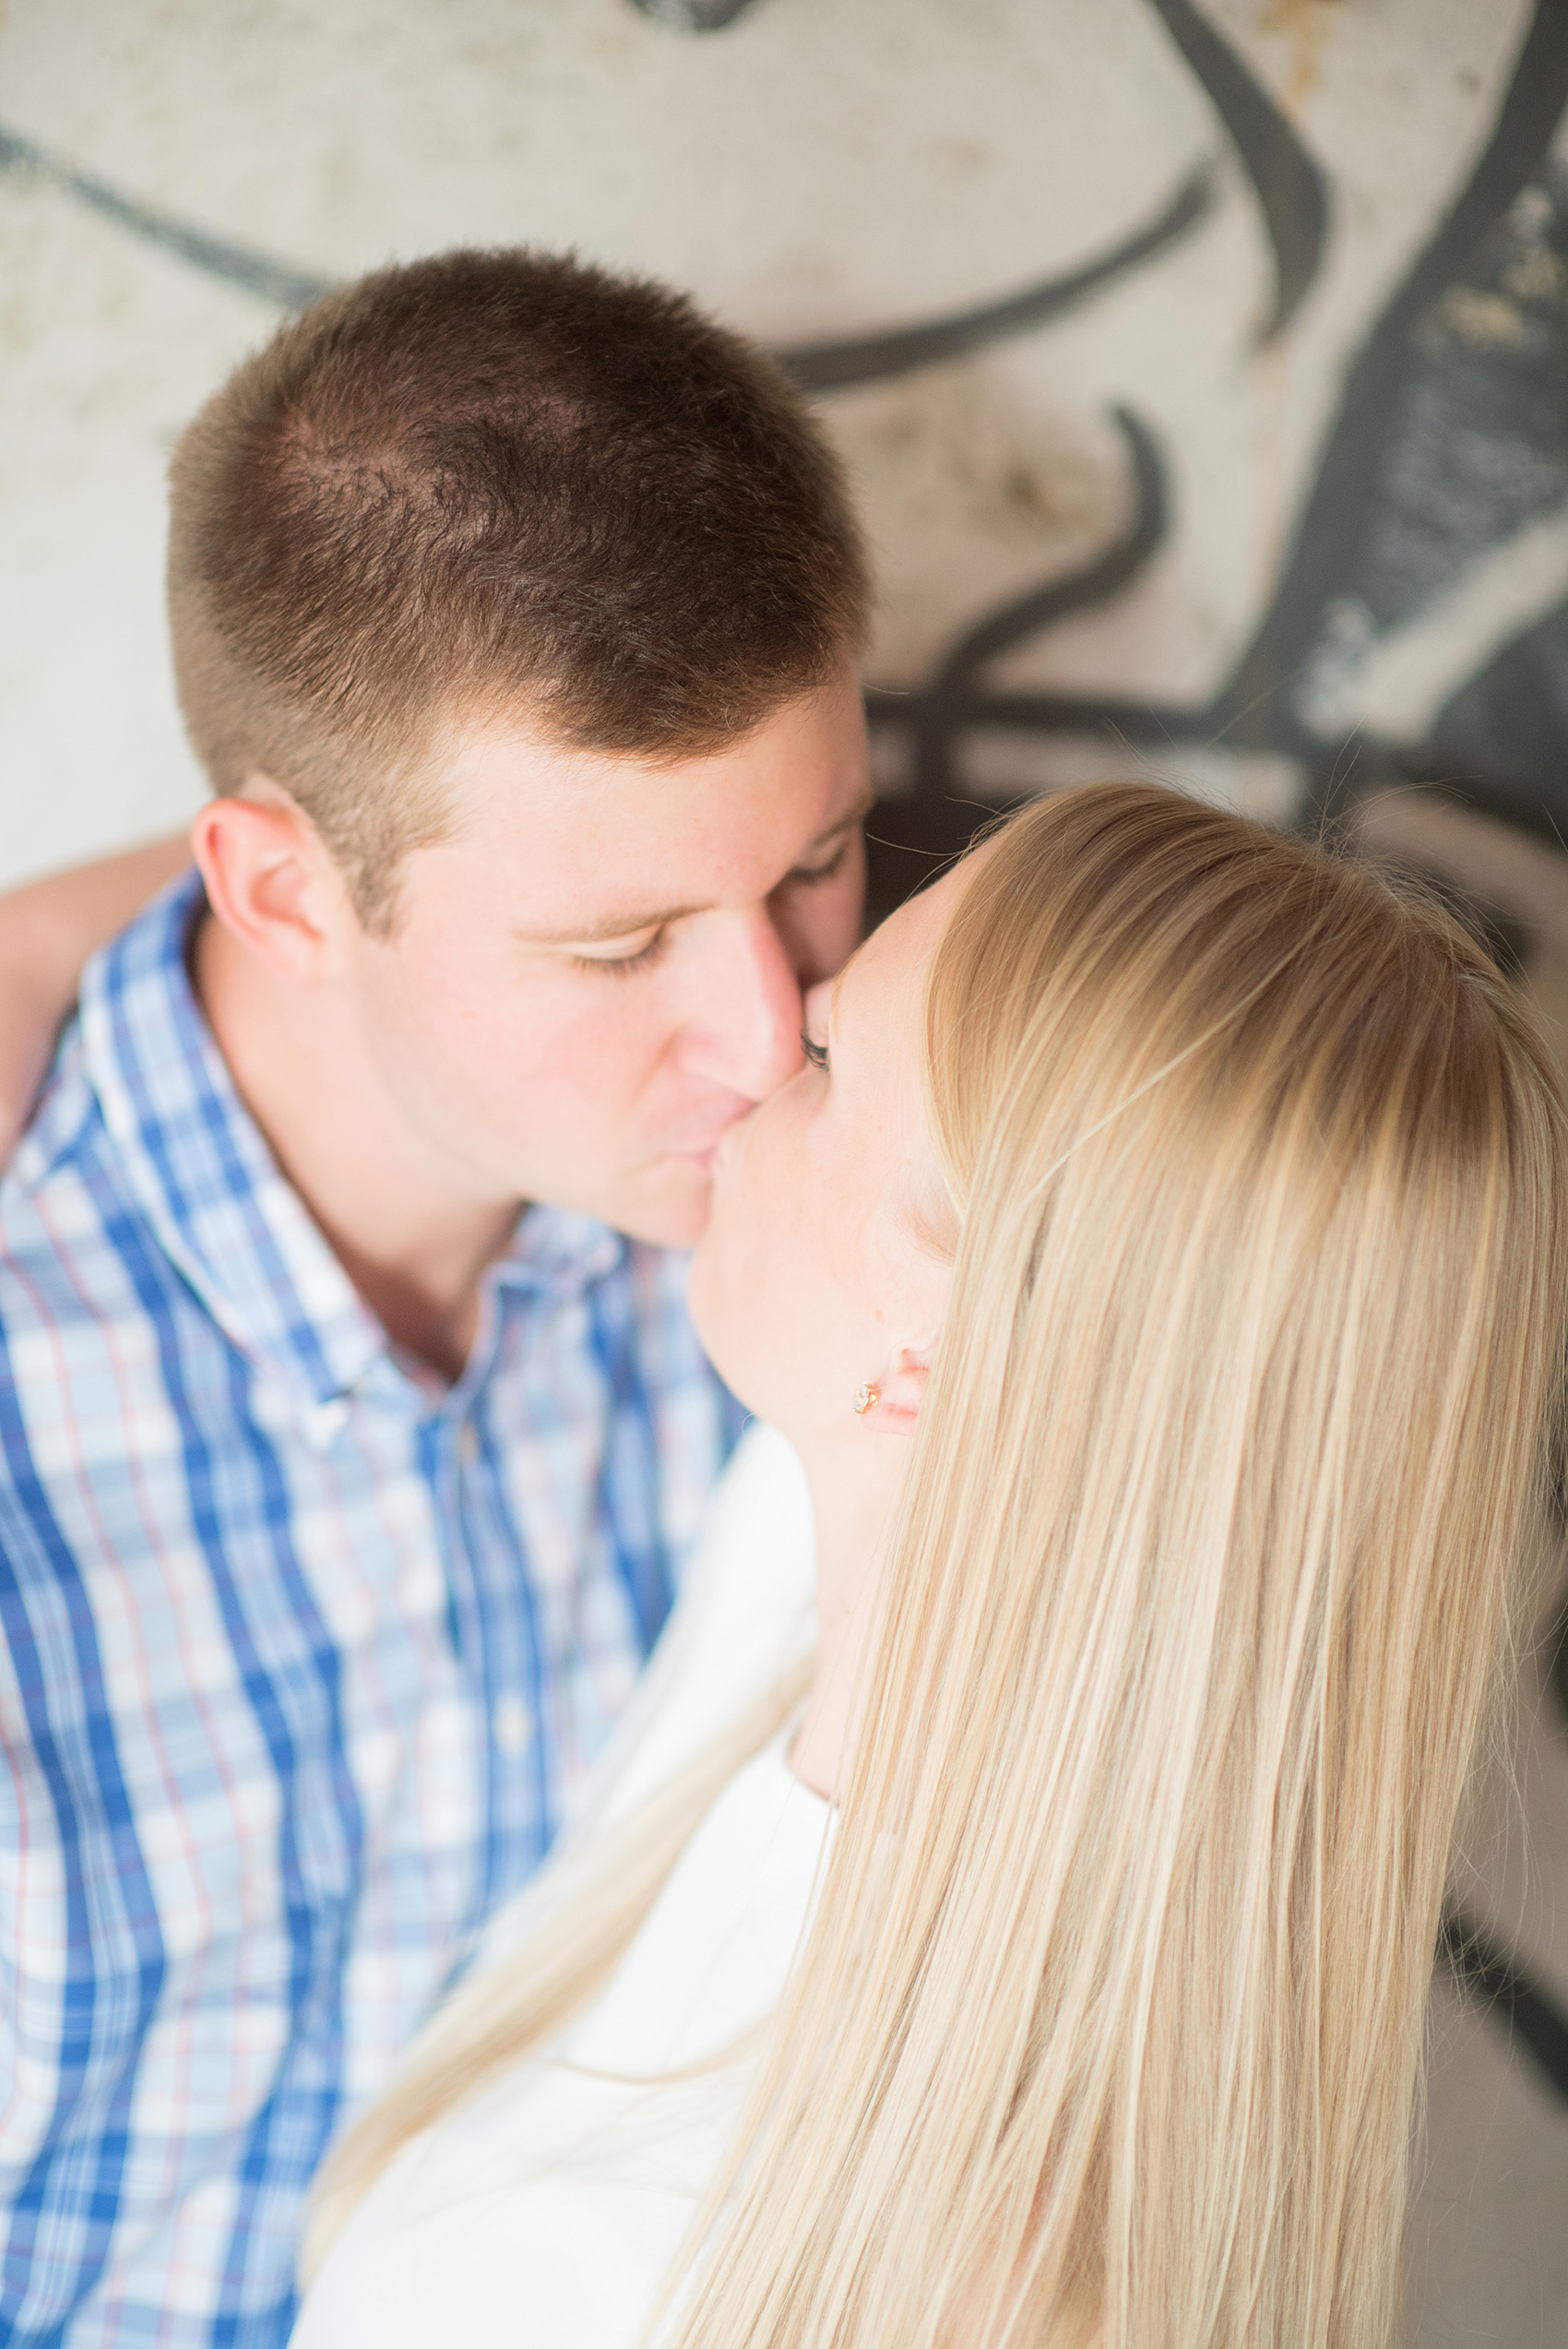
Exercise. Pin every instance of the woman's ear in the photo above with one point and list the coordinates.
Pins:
(901, 1390)
(272, 882)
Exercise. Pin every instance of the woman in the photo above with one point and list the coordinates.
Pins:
(1160, 1272)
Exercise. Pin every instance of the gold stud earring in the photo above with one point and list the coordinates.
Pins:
(864, 1398)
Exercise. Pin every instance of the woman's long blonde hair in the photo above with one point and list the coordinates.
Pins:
(1109, 2020)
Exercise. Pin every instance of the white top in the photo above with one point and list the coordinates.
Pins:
(545, 2213)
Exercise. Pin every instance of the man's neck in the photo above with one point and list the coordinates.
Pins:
(413, 1247)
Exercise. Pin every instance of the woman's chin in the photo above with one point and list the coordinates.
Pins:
(705, 1300)
(721, 1323)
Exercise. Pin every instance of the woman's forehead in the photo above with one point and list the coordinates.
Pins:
(908, 939)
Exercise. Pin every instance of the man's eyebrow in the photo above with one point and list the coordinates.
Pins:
(655, 917)
(613, 926)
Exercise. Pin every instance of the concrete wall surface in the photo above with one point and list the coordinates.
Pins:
(1200, 362)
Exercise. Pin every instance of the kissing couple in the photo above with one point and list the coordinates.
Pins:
(1001, 1911)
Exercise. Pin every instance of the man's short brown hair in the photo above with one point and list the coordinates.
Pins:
(496, 483)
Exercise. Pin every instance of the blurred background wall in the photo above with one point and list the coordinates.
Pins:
(1201, 363)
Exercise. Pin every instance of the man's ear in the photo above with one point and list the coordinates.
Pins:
(272, 882)
(901, 1390)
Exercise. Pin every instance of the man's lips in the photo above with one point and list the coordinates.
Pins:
(698, 1141)
(710, 1152)
(700, 1152)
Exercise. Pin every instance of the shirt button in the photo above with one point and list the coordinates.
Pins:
(325, 1422)
(468, 1443)
(514, 1724)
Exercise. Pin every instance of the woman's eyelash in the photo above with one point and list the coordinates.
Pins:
(816, 1054)
(622, 966)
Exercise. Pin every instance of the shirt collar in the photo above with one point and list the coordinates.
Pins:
(558, 1252)
(225, 1214)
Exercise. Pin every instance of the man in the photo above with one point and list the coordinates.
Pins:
(514, 614)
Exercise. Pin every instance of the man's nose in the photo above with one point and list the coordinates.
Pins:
(743, 1025)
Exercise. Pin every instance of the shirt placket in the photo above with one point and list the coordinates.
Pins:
(495, 1625)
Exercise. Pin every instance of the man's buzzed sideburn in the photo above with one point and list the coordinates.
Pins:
(352, 1430)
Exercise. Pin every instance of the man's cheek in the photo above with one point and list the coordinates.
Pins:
(835, 932)
(584, 1064)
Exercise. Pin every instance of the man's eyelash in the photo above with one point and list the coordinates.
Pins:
(623, 966)
(808, 877)
(816, 1054)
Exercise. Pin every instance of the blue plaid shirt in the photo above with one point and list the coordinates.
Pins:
(299, 1658)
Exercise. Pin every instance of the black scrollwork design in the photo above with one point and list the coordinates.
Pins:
(832, 366)
(1341, 511)
(1292, 191)
(1497, 1981)
(937, 714)
(693, 15)
(216, 256)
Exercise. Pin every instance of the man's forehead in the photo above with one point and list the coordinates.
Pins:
(623, 906)
(596, 844)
